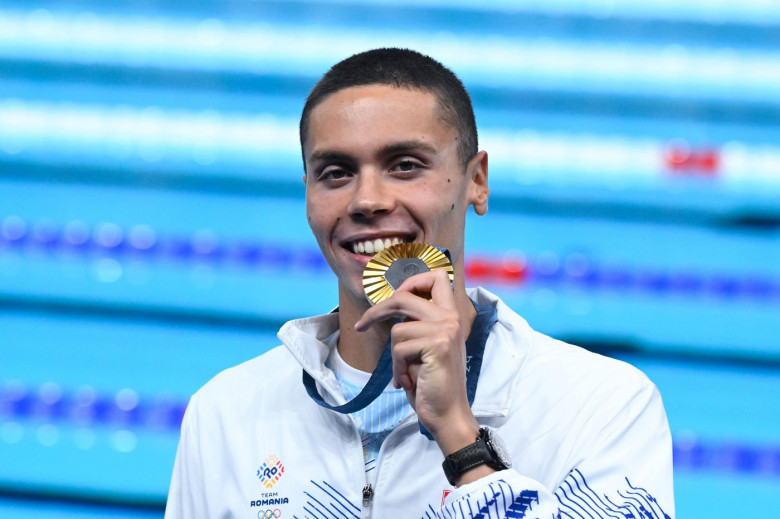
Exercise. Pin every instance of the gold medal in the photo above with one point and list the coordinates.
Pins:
(390, 267)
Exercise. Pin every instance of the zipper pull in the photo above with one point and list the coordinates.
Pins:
(368, 493)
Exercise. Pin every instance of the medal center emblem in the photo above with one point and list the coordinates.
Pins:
(404, 268)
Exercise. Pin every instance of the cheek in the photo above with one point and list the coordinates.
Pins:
(321, 220)
(313, 218)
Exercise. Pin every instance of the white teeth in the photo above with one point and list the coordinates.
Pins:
(376, 245)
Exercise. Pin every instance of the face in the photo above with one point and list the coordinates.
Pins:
(382, 167)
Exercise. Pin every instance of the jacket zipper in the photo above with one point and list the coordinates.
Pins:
(368, 490)
(368, 494)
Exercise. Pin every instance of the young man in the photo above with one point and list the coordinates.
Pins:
(390, 155)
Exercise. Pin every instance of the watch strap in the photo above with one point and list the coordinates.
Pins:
(467, 458)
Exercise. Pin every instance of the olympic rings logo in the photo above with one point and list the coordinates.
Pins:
(269, 514)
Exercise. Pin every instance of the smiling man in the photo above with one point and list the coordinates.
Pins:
(438, 401)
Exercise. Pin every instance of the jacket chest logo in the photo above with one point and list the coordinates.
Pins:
(270, 471)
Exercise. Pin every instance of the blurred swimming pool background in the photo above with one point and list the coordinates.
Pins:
(152, 229)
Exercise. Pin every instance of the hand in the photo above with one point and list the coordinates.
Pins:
(429, 356)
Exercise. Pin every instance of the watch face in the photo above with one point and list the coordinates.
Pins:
(496, 445)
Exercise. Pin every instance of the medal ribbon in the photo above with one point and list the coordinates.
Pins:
(475, 349)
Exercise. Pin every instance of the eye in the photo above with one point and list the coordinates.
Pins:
(407, 165)
(334, 175)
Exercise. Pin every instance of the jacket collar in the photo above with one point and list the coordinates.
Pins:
(307, 341)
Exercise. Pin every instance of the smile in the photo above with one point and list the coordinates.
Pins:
(371, 247)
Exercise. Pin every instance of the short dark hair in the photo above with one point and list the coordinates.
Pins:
(401, 68)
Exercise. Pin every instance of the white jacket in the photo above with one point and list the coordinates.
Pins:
(588, 437)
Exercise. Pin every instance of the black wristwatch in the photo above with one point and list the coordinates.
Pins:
(487, 450)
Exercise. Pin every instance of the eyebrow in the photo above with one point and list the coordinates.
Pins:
(406, 146)
(390, 149)
(329, 156)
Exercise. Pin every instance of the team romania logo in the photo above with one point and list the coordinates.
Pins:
(270, 471)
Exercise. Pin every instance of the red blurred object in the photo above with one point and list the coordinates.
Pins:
(510, 270)
(478, 268)
(681, 159)
(677, 157)
(709, 161)
(513, 270)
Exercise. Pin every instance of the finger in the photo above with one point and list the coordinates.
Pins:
(408, 330)
(436, 282)
(403, 335)
(407, 360)
(403, 304)
(414, 354)
(411, 393)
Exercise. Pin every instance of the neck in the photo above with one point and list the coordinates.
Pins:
(362, 350)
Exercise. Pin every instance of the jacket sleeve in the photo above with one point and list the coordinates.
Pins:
(186, 493)
(625, 472)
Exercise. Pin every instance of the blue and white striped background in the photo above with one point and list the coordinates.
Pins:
(152, 229)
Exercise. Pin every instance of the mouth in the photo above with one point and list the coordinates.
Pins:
(369, 247)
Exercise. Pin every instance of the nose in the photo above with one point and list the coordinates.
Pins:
(371, 196)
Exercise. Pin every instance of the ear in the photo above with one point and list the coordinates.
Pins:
(478, 172)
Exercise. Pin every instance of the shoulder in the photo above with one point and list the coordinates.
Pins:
(602, 395)
(596, 395)
(553, 369)
(554, 357)
(580, 366)
(568, 407)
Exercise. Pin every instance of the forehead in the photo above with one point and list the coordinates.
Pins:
(376, 115)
